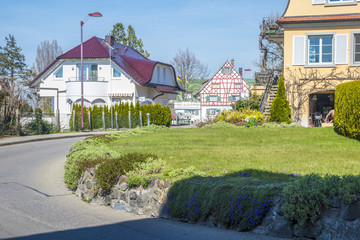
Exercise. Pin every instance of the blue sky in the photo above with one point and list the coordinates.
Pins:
(214, 30)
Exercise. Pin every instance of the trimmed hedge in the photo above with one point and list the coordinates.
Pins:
(347, 109)
(159, 115)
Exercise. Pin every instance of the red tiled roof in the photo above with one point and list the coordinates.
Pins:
(315, 19)
(92, 49)
(138, 67)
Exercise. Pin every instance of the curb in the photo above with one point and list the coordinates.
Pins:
(18, 140)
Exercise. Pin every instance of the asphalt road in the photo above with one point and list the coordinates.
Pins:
(35, 204)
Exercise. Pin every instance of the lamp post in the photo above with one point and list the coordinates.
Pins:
(95, 14)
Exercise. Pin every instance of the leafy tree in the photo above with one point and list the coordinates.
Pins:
(280, 109)
(14, 77)
(128, 38)
(252, 102)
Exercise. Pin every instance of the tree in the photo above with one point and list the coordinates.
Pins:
(280, 109)
(129, 38)
(46, 53)
(252, 102)
(188, 67)
(13, 76)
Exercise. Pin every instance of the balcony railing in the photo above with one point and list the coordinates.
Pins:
(89, 79)
(271, 30)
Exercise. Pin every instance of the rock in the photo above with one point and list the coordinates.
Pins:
(141, 202)
(166, 183)
(160, 184)
(311, 231)
(163, 196)
(78, 192)
(122, 196)
(121, 205)
(107, 201)
(352, 212)
(114, 193)
(156, 195)
(88, 184)
(281, 228)
(152, 184)
(335, 202)
(123, 186)
(133, 195)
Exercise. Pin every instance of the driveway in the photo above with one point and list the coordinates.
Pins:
(34, 204)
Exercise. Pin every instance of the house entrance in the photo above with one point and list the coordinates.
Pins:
(320, 105)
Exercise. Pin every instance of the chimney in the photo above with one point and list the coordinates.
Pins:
(110, 39)
(241, 71)
(233, 62)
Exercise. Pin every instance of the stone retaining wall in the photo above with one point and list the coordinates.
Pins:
(338, 222)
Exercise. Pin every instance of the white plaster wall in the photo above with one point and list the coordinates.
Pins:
(204, 109)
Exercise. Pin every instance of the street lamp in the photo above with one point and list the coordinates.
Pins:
(95, 14)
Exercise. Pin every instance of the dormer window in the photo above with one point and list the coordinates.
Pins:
(116, 73)
(59, 73)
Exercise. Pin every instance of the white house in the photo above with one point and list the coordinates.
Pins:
(111, 72)
(226, 87)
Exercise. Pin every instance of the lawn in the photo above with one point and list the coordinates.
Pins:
(257, 151)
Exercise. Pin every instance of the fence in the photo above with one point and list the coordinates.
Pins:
(106, 120)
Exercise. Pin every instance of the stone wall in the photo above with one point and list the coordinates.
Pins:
(338, 222)
(150, 201)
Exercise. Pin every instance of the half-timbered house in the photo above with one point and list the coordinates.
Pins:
(226, 87)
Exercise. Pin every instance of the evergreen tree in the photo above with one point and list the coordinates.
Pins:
(129, 38)
(280, 109)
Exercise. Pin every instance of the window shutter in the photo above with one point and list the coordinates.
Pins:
(219, 99)
(341, 49)
(231, 70)
(207, 111)
(318, 1)
(229, 99)
(299, 50)
(207, 98)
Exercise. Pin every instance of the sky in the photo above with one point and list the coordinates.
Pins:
(214, 30)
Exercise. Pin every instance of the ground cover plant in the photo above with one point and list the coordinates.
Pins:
(229, 172)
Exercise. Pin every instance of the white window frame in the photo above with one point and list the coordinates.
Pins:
(340, 2)
(211, 98)
(216, 84)
(227, 69)
(238, 85)
(87, 74)
(352, 49)
(307, 49)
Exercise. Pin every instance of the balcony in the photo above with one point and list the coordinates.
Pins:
(93, 88)
(272, 31)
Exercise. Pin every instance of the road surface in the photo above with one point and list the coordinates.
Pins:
(35, 204)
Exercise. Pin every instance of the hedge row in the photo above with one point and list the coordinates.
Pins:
(347, 109)
(158, 115)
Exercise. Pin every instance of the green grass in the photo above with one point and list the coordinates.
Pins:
(264, 153)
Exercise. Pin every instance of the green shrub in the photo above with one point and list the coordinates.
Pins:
(305, 199)
(280, 109)
(281, 125)
(239, 203)
(187, 172)
(230, 116)
(252, 102)
(108, 172)
(347, 109)
(39, 126)
(220, 124)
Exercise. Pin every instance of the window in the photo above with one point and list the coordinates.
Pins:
(226, 70)
(212, 111)
(116, 73)
(47, 105)
(59, 73)
(238, 85)
(213, 98)
(356, 48)
(340, 2)
(90, 72)
(236, 98)
(320, 49)
(192, 112)
(216, 85)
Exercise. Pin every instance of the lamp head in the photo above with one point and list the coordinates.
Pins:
(95, 14)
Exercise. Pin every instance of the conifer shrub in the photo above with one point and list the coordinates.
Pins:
(347, 109)
(280, 109)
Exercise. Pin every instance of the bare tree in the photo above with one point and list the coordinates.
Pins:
(45, 55)
(272, 52)
(188, 67)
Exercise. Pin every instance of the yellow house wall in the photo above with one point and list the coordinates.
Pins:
(299, 72)
(307, 8)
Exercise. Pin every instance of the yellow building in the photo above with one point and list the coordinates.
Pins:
(321, 50)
